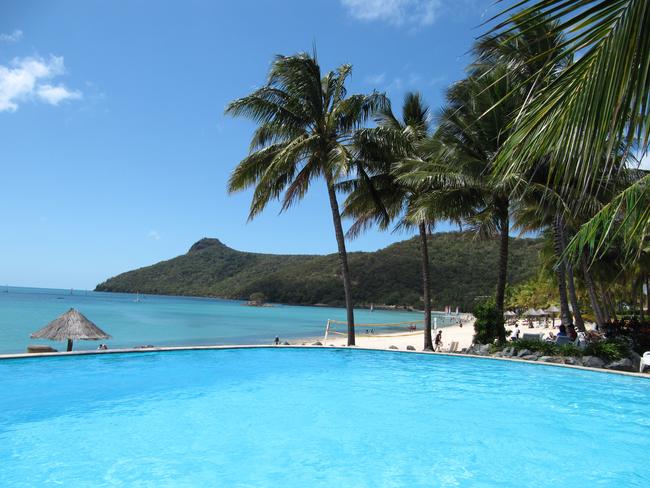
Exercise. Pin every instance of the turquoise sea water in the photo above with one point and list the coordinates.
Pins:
(317, 418)
(162, 320)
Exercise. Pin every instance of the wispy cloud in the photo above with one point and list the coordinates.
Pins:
(26, 79)
(375, 79)
(15, 36)
(413, 13)
(154, 234)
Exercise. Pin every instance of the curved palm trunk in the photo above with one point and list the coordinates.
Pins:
(503, 266)
(426, 292)
(593, 297)
(343, 257)
(577, 316)
(560, 274)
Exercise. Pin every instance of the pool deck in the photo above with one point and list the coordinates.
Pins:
(263, 346)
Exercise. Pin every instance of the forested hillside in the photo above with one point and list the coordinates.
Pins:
(462, 268)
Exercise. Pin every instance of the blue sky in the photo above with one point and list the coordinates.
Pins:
(114, 149)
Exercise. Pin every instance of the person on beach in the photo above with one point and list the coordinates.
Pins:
(438, 341)
(571, 332)
(562, 331)
(515, 333)
(277, 340)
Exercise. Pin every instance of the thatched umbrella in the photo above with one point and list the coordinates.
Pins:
(70, 326)
(552, 310)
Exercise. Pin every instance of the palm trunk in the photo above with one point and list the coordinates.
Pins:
(593, 297)
(343, 257)
(560, 274)
(577, 316)
(503, 266)
(426, 293)
(647, 289)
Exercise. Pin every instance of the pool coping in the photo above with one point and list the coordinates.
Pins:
(297, 346)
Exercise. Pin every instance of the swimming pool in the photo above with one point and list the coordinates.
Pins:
(317, 417)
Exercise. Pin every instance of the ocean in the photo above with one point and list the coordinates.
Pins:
(168, 320)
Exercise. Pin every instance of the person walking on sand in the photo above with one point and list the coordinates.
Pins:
(438, 341)
(277, 340)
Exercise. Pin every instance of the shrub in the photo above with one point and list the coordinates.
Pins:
(488, 326)
(543, 347)
(609, 350)
(258, 298)
(569, 350)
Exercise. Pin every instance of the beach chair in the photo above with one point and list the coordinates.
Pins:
(532, 337)
(645, 361)
(453, 347)
(561, 340)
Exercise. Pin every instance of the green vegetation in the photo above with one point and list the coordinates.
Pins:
(488, 326)
(464, 268)
(608, 350)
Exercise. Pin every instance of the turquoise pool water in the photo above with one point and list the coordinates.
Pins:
(325, 418)
(167, 320)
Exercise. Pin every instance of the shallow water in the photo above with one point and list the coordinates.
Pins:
(165, 320)
(298, 418)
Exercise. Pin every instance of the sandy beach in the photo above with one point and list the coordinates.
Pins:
(462, 334)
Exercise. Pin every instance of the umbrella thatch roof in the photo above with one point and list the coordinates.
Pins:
(541, 312)
(71, 325)
(552, 309)
(508, 313)
(531, 312)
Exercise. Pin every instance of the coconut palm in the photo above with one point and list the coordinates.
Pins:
(378, 196)
(582, 118)
(305, 124)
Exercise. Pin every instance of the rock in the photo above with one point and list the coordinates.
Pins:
(624, 364)
(392, 347)
(592, 362)
(410, 348)
(573, 360)
(530, 357)
(317, 343)
(498, 354)
(482, 349)
(552, 359)
(509, 351)
(636, 360)
(524, 352)
(285, 343)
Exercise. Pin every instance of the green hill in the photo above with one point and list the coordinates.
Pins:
(462, 268)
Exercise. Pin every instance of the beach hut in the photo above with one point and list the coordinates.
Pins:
(71, 326)
(531, 313)
(552, 311)
(509, 315)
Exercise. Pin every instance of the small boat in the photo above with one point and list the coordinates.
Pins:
(137, 297)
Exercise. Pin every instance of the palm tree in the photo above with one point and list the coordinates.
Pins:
(592, 109)
(305, 125)
(469, 143)
(377, 195)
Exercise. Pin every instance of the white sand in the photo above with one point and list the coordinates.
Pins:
(463, 335)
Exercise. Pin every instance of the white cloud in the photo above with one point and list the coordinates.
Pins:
(375, 79)
(24, 79)
(15, 36)
(55, 94)
(154, 234)
(397, 12)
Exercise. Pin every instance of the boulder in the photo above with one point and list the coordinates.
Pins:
(573, 360)
(392, 347)
(552, 359)
(285, 343)
(498, 354)
(624, 364)
(482, 349)
(509, 351)
(317, 343)
(410, 348)
(524, 352)
(636, 360)
(592, 362)
(530, 357)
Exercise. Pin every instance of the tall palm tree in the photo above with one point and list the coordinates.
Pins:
(592, 109)
(469, 143)
(305, 125)
(377, 195)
